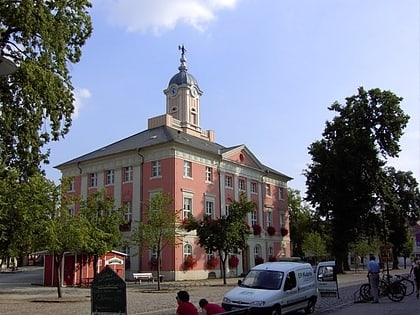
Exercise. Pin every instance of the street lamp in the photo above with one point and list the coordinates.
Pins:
(6, 66)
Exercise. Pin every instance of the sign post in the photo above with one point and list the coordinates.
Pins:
(108, 294)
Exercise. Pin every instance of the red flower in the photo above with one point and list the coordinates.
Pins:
(189, 262)
(284, 231)
(271, 230)
(212, 262)
(259, 260)
(272, 258)
(257, 229)
(233, 261)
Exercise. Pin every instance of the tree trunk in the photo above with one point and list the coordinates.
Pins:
(58, 258)
(95, 265)
(223, 259)
(339, 261)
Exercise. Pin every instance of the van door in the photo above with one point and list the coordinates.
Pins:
(326, 277)
(291, 299)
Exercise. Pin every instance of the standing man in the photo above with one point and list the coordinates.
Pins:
(373, 275)
(416, 272)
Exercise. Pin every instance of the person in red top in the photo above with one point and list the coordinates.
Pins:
(210, 308)
(185, 307)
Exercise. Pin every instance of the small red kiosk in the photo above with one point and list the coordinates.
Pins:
(77, 269)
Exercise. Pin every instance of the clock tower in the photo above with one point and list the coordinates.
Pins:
(183, 96)
(183, 103)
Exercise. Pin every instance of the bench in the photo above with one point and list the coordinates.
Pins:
(138, 276)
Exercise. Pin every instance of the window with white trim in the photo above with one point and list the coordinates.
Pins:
(267, 190)
(128, 210)
(128, 174)
(253, 187)
(271, 251)
(254, 217)
(187, 169)
(209, 174)
(110, 177)
(71, 185)
(227, 209)
(93, 179)
(228, 181)
(282, 220)
(241, 184)
(156, 169)
(188, 206)
(281, 193)
(187, 250)
(257, 251)
(210, 208)
(269, 218)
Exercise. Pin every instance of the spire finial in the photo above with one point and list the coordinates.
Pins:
(183, 66)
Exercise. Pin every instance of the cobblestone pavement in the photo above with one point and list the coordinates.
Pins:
(21, 298)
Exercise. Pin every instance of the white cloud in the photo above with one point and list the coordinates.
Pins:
(159, 16)
(80, 95)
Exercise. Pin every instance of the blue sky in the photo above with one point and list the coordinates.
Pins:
(269, 70)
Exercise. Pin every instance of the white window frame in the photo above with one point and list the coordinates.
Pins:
(110, 177)
(281, 193)
(282, 219)
(188, 169)
(257, 251)
(228, 181)
(209, 205)
(187, 250)
(269, 218)
(128, 174)
(187, 207)
(254, 187)
(267, 190)
(128, 211)
(93, 179)
(156, 169)
(254, 217)
(71, 185)
(242, 184)
(209, 174)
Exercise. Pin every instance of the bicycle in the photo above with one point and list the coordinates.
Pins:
(404, 279)
(409, 284)
(394, 290)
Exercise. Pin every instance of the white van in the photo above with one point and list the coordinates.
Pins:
(275, 288)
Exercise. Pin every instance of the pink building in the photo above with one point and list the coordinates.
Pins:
(174, 155)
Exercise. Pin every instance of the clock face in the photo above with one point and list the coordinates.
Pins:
(194, 91)
(173, 90)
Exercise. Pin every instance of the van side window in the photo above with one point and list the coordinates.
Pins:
(290, 282)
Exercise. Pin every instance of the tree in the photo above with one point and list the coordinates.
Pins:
(225, 234)
(56, 231)
(100, 222)
(314, 246)
(400, 203)
(158, 228)
(344, 176)
(43, 38)
(300, 221)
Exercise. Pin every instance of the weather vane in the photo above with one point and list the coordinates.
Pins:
(182, 49)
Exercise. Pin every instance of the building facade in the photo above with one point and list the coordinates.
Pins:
(174, 155)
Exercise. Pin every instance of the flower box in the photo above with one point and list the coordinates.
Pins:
(284, 231)
(233, 261)
(271, 230)
(259, 260)
(189, 262)
(212, 263)
(257, 229)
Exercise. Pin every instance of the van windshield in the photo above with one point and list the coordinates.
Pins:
(263, 279)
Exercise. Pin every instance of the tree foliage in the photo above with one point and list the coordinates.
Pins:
(314, 246)
(158, 227)
(344, 176)
(224, 234)
(43, 38)
(100, 223)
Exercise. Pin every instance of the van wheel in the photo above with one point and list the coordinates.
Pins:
(310, 309)
(276, 311)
